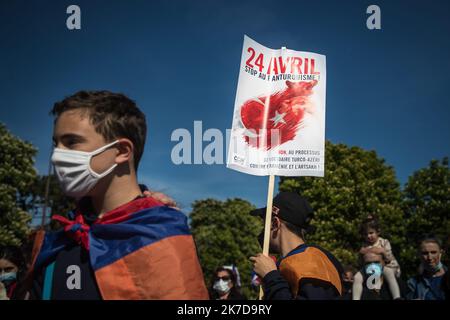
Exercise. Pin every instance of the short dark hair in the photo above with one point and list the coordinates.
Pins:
(430, 238)
(235, 290)
(298, 231)
(348, 268)
(113, 115)
(14, 255)
(370, 222)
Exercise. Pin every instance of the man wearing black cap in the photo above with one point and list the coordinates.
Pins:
(304, 271)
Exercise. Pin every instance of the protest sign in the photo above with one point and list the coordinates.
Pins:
(279, 113)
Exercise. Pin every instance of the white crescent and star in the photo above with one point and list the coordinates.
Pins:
(279, 117)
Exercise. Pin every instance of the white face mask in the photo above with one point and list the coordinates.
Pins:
(74, 172)
(8, 278)
(221, 286)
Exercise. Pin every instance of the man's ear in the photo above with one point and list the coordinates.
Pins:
(276, 223)
(126, 149)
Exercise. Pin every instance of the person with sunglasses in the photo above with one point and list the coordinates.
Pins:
(224, 287)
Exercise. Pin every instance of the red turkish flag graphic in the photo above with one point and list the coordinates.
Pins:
(286, 110)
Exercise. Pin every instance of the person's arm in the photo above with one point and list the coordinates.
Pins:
(315, 289)
(276, 287)
(159, 196)
(388, 255)
(411, 293)
(35, 292)
(3, 294)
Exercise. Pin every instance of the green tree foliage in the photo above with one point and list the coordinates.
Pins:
(357, 182)
(226, 234)
(57, 201)
(427, 203)
(17, 175)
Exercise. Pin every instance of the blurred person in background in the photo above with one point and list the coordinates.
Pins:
(224, 285)
(429, 283)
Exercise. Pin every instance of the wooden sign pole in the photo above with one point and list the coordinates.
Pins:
(268, 222)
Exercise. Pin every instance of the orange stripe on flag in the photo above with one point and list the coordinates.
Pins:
(168, 269)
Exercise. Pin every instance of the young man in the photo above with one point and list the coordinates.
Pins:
(304, 271)
(118, 244)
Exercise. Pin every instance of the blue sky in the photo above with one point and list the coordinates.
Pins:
(387, 89)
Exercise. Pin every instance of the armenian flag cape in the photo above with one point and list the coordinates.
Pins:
(312, 262)
(141, 250)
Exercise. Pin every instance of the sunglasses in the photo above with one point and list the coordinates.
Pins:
(224, 278)
(6, 270)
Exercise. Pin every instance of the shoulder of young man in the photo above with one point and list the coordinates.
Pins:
(315, 286)
(331, 257)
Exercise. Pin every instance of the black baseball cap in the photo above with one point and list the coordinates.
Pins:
(290, 207)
